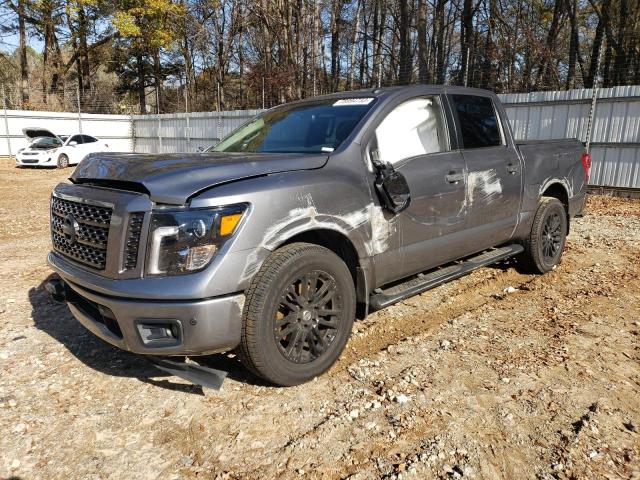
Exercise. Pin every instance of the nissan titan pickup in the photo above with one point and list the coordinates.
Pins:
(310, 215)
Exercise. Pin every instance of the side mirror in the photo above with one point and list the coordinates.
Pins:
(392, 188)
(200, 149)
(73, 143)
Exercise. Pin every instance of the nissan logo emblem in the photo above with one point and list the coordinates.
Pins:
(70, 229)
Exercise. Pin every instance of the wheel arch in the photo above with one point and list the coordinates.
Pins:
(559, 191)
(344, 248)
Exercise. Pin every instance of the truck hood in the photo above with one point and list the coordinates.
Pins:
(174, 178)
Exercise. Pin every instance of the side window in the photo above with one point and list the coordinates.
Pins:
(478, 121)
(88, 139)
(413, 128)
(77, 139)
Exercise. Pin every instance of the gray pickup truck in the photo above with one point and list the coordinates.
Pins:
(310, 215)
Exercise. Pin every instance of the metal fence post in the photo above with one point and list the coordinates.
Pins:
(594, 97)
(79, 109)
(6, 122)
(186, 111)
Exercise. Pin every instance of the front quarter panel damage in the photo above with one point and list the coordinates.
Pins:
(286, 205)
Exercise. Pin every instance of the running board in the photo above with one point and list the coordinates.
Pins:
(426, 281)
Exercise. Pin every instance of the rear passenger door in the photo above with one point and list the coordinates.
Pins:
(414, 138)
(494, 171)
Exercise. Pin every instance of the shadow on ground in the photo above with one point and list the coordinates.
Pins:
(56, 320)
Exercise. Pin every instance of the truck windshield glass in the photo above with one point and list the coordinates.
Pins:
(311, 127)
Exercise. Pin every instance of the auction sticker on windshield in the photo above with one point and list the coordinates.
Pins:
(353, 101)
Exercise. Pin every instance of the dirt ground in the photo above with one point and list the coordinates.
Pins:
(470, 380)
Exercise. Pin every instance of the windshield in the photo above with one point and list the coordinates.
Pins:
(46, 142)
(311, 127)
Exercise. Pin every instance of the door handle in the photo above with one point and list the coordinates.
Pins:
(453, 177)
(513, 169)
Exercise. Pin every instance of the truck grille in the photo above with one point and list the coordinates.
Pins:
(80, 231)
(133, 240)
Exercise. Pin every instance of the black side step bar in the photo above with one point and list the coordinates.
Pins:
(194, 373)
(426, 281)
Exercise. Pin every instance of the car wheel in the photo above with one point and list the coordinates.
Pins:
(298, 314)
(543, 248)
(63, 161)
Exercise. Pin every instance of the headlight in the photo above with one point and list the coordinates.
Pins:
(185, 241)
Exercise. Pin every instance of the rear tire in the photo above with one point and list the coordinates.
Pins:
(63, 161)
(545, 243)
(298, 314)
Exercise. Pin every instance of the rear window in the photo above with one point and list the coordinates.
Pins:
(478, 121)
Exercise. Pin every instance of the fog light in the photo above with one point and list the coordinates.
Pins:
(159, 333)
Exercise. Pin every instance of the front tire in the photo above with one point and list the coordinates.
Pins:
(63, 161)
(298, 314)
(545, 243)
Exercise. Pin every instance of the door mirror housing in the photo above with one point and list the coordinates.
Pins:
(392, 188)
(73, 143)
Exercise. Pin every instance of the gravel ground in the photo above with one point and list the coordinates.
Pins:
(471, 380)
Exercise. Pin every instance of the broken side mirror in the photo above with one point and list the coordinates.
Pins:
(392, 188)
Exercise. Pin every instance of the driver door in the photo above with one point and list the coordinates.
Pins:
(414, 138)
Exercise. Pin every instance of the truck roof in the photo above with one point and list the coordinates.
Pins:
(388, 91)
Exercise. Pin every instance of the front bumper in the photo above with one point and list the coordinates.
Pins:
(44, 159)
(191, 327)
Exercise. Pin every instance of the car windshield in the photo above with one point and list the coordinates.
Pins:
(310, 127)
(46, 142)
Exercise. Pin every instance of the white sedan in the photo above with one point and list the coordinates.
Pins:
(47, 149)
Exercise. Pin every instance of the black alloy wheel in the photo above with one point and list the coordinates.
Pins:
(298, 314)
(551, 236)
(306, 320)
(544, 245)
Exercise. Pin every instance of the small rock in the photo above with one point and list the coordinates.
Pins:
(402, 398)
(445, 344)
(15, 464)
(510, 290)
(593, 454)
(4, 355)
(13, 403)
(354, 413)
(19, 428)
(505, 380)
(370, 425)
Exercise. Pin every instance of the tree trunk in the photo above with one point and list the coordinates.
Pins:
(573, 43)
(83, 58)
(157, 76)
(336, 11)
(24, 68)
(423, 53)
(439, 21)
(546, 66)
(405, 66)
(466, 34)
(142, 101)
(354, 39)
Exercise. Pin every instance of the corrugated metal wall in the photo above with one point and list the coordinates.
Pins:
(182, 132)
(115, 129)
(615, 141)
